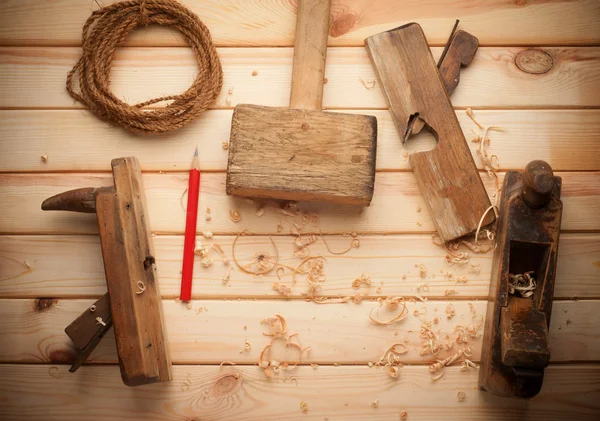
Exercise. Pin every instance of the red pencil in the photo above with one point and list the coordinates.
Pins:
(190, 230)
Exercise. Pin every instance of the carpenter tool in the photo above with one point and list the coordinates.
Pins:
(133, 304)
(187, 270)
(302, 153)
(515, 342)
(446, 175)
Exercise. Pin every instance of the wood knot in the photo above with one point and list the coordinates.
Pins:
(536, 62)
(42, 304)
(227, 384)
(62, 356)
(342, 24)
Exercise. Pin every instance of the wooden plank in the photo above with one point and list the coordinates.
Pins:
(397, 206)
(213, 331)
(71, 266)
(35, 77)
(271, 22)
(78, 141)
(31, 392)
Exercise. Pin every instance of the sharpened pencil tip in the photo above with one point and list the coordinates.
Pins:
(196, 152)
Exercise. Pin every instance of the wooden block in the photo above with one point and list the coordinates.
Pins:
(294, 154)
(302, 153)
(446, 175)
(128, 254)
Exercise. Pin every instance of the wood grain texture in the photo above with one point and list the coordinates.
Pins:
(138, 74)
(212, 331)
(271, 22)
(397, 206)
(446, 175)
(294, 154)
(77, 141)
(340, 393)
(71, 266)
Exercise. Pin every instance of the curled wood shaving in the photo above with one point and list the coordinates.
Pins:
(282, 289)
(391, 304)
(221, 253)
(304, 407)
(461, 396)
(355, 243)
(403, 415)
(440, 364)
(262, 263)
(368, 84)
(207, 216)
(462, 280)
(141, 287)
(450, 311)
(235, 215)
(44, 158)
(482, 218)
(439, 376)
(449, 292)
(226, 362)
(303, 241)
(375, 403)
(422, 270)
(475, 269)
(225, 145)
(277, 325)
(99, 321)
(522, 284)
(466, 364)
(260, 211)
(227, 276)
(247, 346)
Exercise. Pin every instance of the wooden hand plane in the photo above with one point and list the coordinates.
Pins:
(133, 304)
(515, 342)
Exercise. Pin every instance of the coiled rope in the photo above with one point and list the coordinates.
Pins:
(106, 29)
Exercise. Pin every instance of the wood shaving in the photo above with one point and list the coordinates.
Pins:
(221, 253)
(355, 243)
(185, 385)
(226, 363)
(368, 84)
(304, 407)
(247, 346)
(475, 269)
(450, 292)
(44, 158)
(225, 145)
(227, 276)
(522, 285)
(235, 215)
(440, 364)
(93, 308)
(478, 247)
(403, 415)
(390, 304)
(141, 287)
(282, 289)
(278, 329)
(207, 216)
(461, 280)
(422, 270)
(492, 207)
(439, 376)
(466, 364)
(290, 209)
(260, 211)
(450, 311)
(314, 366)
(461, 396)
(436, 320)
(375, 403)
(99, 321)
(262, 263)
(207, 234)
(206, 262)
(254, 73)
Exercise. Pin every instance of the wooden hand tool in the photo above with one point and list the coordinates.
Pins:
(459, 52)
(515, 341)
(133, 294)
(302, 153)
(446, 175)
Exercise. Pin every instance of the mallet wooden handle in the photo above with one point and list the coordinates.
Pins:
(310, 52)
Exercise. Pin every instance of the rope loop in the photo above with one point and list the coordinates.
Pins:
(106, 29)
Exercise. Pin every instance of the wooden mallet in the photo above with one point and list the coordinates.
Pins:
(301, 152)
